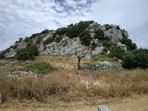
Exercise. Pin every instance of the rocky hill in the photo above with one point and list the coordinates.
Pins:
(85, 35)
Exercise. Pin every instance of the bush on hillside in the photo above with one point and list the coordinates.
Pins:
(27, 53)
(128, 43)
(75, 30)
(100, 35)
(2, 55)
(49, 40)
(85, 38)
(45, 31)
(61, 31)
(116, 53)
(136, 58)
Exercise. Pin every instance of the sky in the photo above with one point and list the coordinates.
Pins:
(22, 18)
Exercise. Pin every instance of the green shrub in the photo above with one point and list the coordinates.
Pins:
(34, 35)
(39, 67)
(75, 30)
(85, 38)
(49, 40)
(59, 38)
(106, 43)
(116, 53)
(27, 53)
(136, 58)
(107, 26)
(100, 35)
(61, 31)
(45, 31)
(118, 27)
(2, 55)
(128, 43)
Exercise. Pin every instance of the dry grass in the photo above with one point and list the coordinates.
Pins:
(134, 103)
(75, 86)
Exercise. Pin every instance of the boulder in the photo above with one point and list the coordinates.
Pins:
(122, 46)
(96, 41)
(108, 52)
(114, 34)
(98, 50)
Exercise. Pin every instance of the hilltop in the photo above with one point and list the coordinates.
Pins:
(85, 35)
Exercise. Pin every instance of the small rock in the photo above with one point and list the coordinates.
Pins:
(108, 52)
(104, 108)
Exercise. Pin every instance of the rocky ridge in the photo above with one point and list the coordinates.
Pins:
(50, 42)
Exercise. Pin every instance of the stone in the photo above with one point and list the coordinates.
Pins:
(114, 34)
(108, 52)
(104, 108)
(11, 53)
(96, 41)
(119, 60)
(92, 35)
(102, 27)
(106, 63)
(122, 46)
(98, 50)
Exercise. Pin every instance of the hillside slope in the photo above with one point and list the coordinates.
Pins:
(85, 35)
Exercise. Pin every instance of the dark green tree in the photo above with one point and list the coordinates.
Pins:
(27, 53)
(136, 58)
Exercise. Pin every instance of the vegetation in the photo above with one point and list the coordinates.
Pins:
(116, 53)
(128, 43)
(45, 31)
(27, 53)
(49, 40)
(136, 58)
(118, 27)
(39, 67)
(34, 35)
(2, 53)
(75, 30)
(107, 26)
(100, 35)
(106, 84)
(61, 31)
(85, 38)
(59, 38)
(107, 43)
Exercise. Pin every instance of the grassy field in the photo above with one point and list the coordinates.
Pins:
(72, 89)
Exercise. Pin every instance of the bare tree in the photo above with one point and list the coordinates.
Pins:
(80, 54)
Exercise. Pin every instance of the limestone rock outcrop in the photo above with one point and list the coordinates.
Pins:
(68, 46)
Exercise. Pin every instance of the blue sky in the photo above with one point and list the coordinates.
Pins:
(21, 18)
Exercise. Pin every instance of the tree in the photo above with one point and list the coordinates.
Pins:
(27, 53)
(136, 58)
(81, 54)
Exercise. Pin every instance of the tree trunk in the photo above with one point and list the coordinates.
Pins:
(79, 59)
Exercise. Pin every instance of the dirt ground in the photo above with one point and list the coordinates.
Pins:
(134, 103)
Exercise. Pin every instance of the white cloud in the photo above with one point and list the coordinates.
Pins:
(22, 18)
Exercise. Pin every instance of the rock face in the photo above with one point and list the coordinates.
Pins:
(122, 46)
(68, 46)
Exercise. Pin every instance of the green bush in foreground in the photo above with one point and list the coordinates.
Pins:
(136, 58)
(40, 67)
